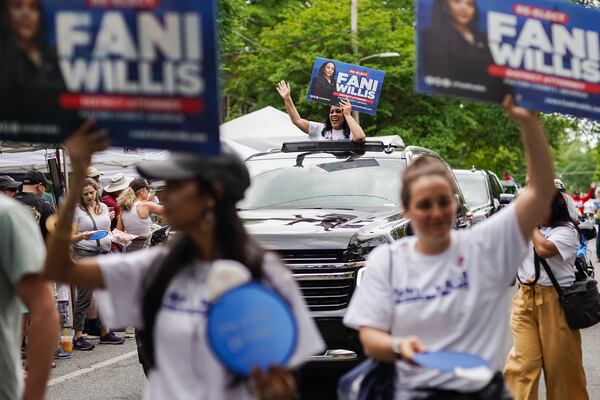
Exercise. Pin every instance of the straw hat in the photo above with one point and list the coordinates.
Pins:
(93, 172)
(117, 183)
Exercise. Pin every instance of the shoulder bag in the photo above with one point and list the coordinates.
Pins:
(580, 301)
(98, 245)
(371, 379)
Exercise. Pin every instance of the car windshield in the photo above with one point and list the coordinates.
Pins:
(474, 189)
(324, 183)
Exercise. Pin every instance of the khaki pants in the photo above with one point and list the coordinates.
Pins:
(543, 340)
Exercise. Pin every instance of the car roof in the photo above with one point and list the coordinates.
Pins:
(469, 171)
(331, 150)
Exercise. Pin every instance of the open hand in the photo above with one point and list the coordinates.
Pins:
(284, 90)
(275, 384)
(83, 143)
(346, 107)
(518, 114)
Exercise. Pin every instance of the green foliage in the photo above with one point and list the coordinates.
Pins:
(576, 165)
(283, 37)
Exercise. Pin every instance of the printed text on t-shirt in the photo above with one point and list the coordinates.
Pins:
(409, 295)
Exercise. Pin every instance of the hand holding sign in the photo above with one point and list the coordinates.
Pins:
(516, 113)
(85, 142)
(346, 107)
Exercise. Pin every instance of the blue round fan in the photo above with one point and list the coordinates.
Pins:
(101, 234)
(449, 361)
(251, 325)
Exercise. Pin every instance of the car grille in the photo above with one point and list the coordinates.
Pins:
(326, 281)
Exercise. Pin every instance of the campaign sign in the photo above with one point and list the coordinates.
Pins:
(545, 53)
(145, 70)
(333, 80)
(249, 326)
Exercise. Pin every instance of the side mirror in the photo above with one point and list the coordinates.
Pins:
(496, 204)
(506, 198)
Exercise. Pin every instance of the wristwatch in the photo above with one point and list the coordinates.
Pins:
(396, 342)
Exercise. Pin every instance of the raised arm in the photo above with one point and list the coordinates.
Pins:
(151, 207)
(59, 266)
(589, 194)
(286, 94)
(358, 135)
(534, 203)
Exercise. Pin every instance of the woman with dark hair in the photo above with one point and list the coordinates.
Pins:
(340, 125)
(164, 290)
(29, 72)
(542, 340)
(323, 85)
(445, 289)
(28, 60)
(453, 48)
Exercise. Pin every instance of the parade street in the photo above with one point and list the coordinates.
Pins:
(113, 372)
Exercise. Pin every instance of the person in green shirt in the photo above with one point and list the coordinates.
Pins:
(21, 260)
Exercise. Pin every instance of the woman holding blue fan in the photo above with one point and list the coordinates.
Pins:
(168, 291)
(444, 289)
(91, 216)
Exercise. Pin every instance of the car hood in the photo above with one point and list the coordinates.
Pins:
(315, 228)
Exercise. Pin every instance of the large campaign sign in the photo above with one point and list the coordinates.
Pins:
(545, 53)
(332, 81)
(145, 70)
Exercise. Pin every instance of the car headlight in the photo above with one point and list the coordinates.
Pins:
(359, 247)
(359, 276)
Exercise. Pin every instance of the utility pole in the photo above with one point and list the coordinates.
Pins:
(354, 37)
(354, 26)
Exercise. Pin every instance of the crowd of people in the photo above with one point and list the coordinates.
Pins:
(125, 204)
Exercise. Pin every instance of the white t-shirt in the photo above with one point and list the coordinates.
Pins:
(457, 300)
(316, 128)
(82, 219)
(566, 240)
(185, 365)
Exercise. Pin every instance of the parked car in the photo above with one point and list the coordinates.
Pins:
(323, 206)
(483, 192)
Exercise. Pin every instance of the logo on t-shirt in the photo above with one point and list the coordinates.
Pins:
(429, 293)
(176, 301)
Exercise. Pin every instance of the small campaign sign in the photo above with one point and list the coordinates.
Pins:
(332, 81)
(545, 53)
(145, 70)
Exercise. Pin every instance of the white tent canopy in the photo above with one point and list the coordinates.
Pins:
(108, 162)
(262, 130)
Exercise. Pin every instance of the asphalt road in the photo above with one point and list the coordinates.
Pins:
(113, 372)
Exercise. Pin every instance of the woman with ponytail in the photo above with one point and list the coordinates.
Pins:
(164, 290)
(136, 208)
